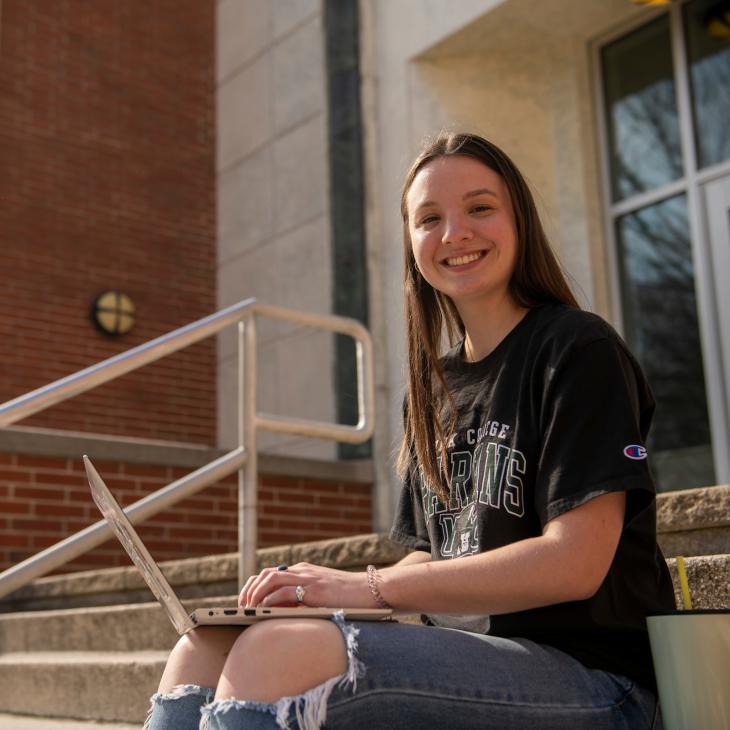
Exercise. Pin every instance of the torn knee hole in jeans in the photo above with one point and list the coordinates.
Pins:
(181, 691)
(310, 708)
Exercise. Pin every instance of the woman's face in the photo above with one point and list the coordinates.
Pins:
(462, 230)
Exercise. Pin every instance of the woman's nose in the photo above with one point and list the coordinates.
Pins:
(456, 230)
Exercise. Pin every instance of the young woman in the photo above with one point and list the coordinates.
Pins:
(526, 500)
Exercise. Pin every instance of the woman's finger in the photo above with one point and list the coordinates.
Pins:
(246, 587)
(285, 596)
(251, 584)
(269, 583)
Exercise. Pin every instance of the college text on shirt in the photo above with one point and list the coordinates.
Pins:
(489, 473)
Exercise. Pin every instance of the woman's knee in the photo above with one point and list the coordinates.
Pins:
(198, 657)
(283, 657)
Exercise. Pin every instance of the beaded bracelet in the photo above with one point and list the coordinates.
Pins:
(377, 595)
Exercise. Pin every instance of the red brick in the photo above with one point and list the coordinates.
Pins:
(8, 507)
(14, 540)
(34, 525)
(198, 526)
(278, 482)
(42, 462)
(36, 493)
(95, 174)
(189, 532)
(321, 486)
(61, 479)
(15, 476)
(64, 510)
(146, 470)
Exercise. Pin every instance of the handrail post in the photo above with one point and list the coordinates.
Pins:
(248, 475)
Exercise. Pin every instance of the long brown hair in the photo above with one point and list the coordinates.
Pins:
(537, 279)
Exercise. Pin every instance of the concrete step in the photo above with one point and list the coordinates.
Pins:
(145, 626)
(101, 664)
(708, 577)
(133, 627)
(194, 578)
(99, 686)
(28, 722)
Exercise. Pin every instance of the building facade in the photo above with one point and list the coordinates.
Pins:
(617, 114)
(257, 150)
(615, 111)
(108, 142)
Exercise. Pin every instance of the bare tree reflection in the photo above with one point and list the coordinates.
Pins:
(661, 320)
(709, 59)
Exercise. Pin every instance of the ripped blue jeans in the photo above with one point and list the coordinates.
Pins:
(413, 677)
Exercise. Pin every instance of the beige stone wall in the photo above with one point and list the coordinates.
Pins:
(519, 72)
(273, 207)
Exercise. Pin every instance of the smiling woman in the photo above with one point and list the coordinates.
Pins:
(506, 461)
(463, 234)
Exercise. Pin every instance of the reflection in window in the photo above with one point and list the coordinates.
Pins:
(660, 314)
(709, 57)
(643, 124)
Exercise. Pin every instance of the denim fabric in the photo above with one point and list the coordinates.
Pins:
(180, 709)
(414, 677)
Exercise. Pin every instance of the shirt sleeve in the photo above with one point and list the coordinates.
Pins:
(594, 419)
(409, 525)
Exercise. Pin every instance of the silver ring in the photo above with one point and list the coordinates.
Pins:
(299, 593)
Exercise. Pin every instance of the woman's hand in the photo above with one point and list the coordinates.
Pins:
(322, 587)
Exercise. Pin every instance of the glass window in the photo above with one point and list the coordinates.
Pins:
(707, 27)
(660, 316)
(643, 125)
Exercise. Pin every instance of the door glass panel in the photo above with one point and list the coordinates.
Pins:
(660, 316)
(707, 24)
(643, 126)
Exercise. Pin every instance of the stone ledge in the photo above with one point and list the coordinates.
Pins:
(195, 577)
(708, 577)
(693, 509)
(216, 575)
(72, 444)
(710, 541)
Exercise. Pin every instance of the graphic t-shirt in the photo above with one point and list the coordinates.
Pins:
(556, 415)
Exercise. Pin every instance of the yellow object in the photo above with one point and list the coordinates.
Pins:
(114, 312)
(652, 2)
(683, 584)
(720, 27)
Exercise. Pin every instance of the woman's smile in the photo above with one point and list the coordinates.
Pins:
(463, 260)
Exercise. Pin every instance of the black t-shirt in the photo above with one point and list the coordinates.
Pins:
(556, 415)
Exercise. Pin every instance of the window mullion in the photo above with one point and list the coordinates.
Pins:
(648, 198)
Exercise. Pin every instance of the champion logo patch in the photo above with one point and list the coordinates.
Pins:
(635, 452)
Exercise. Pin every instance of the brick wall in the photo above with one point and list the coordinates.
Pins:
(107, 149)
(44, 499)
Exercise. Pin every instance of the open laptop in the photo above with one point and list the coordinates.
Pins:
(180, 618)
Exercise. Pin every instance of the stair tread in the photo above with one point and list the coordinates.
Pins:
(148, 656)
(29, 722)
(191, 603)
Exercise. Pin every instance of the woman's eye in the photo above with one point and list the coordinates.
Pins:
(481, 209)
(429, 219)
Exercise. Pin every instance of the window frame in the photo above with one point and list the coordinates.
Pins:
(690, 184)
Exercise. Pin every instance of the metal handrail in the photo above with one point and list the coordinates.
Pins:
(242, 459)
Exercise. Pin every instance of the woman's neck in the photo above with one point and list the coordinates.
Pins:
(487, 327)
